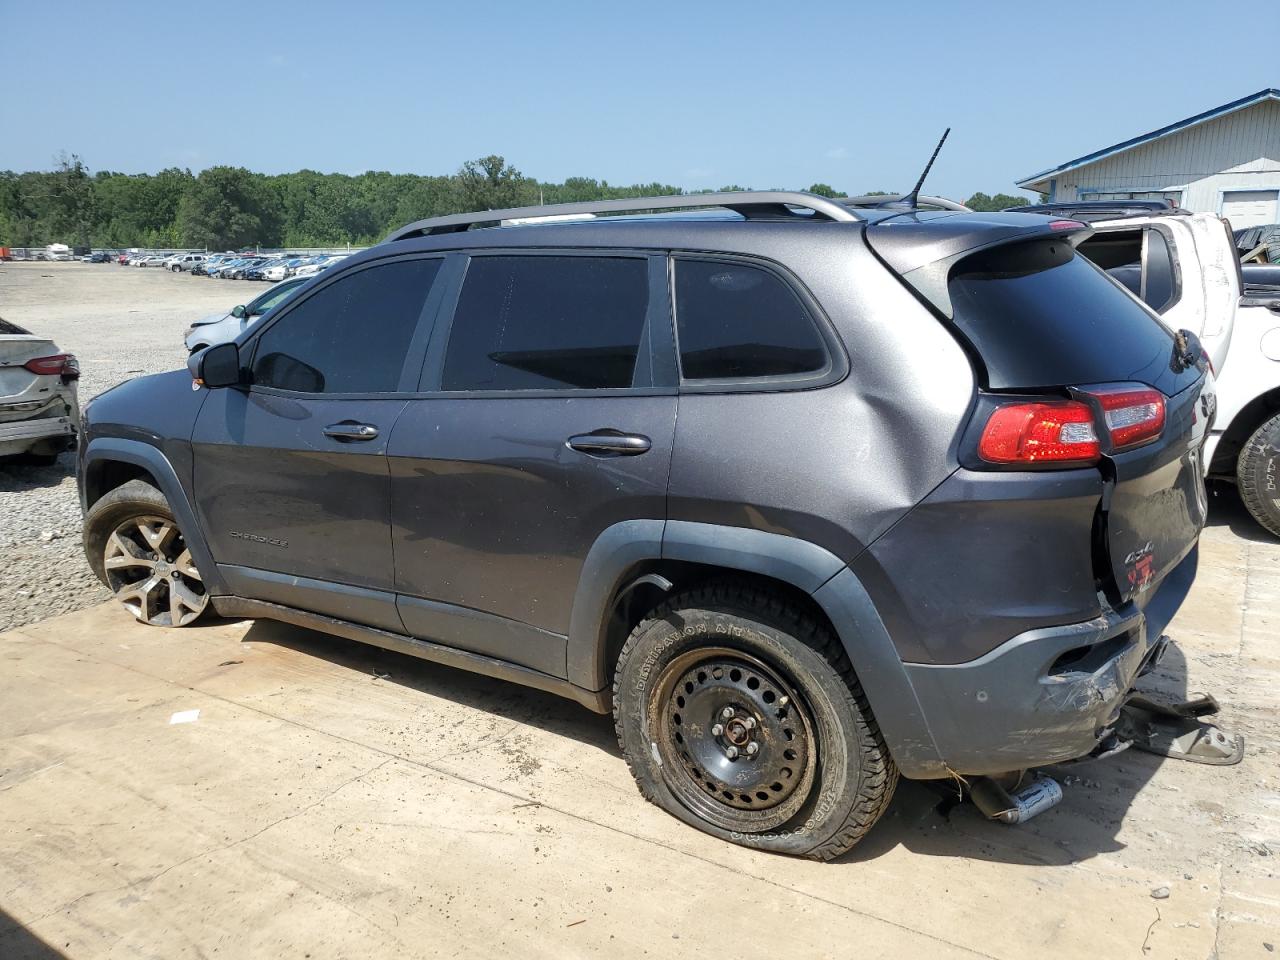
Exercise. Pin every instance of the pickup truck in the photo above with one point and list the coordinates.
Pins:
(1185, 267)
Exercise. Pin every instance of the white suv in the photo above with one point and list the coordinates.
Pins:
(1185, 266)
(184, 261)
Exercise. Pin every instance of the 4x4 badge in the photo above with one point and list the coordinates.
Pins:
(1141, 564)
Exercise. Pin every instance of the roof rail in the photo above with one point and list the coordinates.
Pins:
(752, 204)
(874, 200)
(1091, 211)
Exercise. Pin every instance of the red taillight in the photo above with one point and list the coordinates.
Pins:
(1052, 432)
(60, 364)
(1067, 225)
(1133, 417)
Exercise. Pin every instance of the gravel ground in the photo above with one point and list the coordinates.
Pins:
(121, 322)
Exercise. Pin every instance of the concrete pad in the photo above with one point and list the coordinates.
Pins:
(336, 800)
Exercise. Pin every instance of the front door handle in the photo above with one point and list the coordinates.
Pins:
(348, 431)
(610, 443)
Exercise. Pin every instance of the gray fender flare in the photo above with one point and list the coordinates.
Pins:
(807, 566)
(157, 464)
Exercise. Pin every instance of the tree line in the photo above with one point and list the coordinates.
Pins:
(231, 207)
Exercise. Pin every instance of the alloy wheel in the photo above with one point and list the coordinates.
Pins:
(150, 570)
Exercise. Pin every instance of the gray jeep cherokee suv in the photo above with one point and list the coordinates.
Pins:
(809, 497)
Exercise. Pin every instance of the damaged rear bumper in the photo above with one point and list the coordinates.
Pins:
(17, 436)
(1047, 695)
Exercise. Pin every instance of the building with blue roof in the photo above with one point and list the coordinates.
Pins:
(1225, 161)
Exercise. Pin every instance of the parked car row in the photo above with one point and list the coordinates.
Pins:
(176, 262)
(275, 267)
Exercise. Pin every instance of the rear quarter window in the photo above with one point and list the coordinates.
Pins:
(1040, 315)
(735, 321)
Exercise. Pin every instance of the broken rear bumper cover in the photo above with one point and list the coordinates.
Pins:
(18, 435)
(1047, 695)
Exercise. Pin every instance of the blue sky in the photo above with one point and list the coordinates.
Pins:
(695, 94)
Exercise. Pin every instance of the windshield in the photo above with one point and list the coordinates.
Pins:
(271, 298)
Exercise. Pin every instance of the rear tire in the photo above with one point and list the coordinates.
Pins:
(742, 716)
(1258, 474)
(134, 546)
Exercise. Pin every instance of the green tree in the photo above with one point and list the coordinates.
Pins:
(980, 201)
(227, 207)
(70, 210)
(491, 183)
(232, 207)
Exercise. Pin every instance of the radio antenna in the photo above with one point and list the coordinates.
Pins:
(912, 198)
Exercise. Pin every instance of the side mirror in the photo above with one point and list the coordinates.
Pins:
(217, 366)
(238, 312)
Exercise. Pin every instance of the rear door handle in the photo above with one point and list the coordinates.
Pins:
(348, 431)
(610, 443)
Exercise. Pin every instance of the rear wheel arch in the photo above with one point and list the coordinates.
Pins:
(617, 591)
(1250, 417)
(626, 551)
(650, 585)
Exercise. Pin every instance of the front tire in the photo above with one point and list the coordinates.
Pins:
(741, 715)
(134, 546)
(1258, 474)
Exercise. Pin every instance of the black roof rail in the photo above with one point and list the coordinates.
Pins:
(1093, 210)
(751, 204)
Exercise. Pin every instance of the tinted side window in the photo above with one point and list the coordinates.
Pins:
(735, 321)
(548, 323)
(350, 337)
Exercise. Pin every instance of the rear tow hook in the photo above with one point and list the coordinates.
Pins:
(1176, 730)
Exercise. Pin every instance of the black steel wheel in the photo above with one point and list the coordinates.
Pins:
(737, 741)
(740, 714)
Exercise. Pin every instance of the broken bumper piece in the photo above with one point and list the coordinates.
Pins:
(1178, 730)
(1048, 695)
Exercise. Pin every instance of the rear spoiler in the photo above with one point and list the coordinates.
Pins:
(923, 252)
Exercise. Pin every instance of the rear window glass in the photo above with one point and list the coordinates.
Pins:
(11, 329)
(1041, 316)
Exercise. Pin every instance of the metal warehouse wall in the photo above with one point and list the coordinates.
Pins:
(1240, 151)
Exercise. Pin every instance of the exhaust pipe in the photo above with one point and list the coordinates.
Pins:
(1030, 800)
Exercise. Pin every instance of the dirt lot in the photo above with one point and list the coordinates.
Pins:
(121, 322)
(337, 801)
(331, 800)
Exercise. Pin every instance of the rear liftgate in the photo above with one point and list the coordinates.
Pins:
(1014, 289)
(1128, 417)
